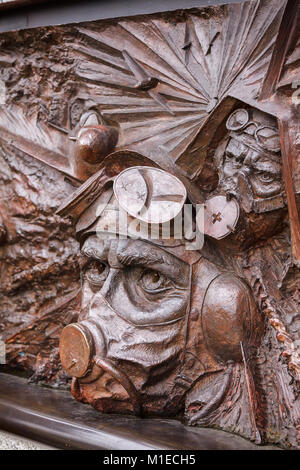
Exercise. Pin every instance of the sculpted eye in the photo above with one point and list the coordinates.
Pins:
(265, 177)
(229, 155)
(153, 281)
(96, 273)
(234, 159)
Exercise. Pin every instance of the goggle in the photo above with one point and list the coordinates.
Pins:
(266, 137)
(149, 194)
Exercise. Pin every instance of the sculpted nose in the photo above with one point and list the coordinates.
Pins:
(229, 184)
(109, 283)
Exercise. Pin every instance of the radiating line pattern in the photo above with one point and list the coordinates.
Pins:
(158, 77)
(198, 59)
(291, 73)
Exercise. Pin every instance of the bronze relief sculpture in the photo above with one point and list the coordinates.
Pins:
(159, 121)
(162, 329)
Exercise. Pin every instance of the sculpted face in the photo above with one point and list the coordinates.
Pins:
(152, 284)
(250, 171)
(162, 330)
(134, 295)
(263, 172)
(151, 334)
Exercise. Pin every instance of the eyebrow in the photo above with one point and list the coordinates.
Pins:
(138, 255)
(91, 250)
(159, 260)
(236, 150)
(268, 167)
(130, 258)
(125, 255)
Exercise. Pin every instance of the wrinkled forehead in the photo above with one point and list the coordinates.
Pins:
(257, 159)
(236, 148)
(120, 253)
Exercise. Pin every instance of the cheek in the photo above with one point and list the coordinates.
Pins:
(230, 168)
(262, 189)
(141, 308)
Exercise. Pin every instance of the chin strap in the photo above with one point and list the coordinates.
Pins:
(252, 398)
(181, 379)
(216, 400)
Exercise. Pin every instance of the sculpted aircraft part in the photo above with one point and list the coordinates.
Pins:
(149, 229)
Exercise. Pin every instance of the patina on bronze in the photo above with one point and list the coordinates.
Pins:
(209, 99)
(78, 344)
(94, 140)
(152, 356)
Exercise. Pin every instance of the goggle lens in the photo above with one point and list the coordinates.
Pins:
(266, 137)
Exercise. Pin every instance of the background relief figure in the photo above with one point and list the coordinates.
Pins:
(109, 131)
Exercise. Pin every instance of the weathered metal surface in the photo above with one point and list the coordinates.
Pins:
(76, 350)
(49, 416)
(221, 216)
(149, 194)
(164, 326)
